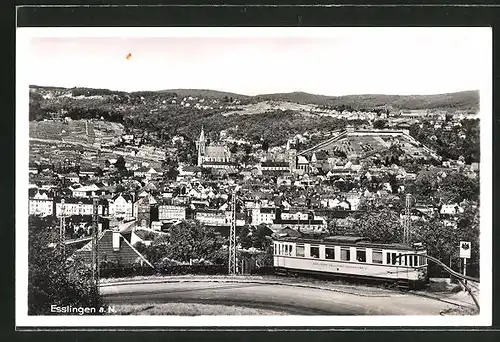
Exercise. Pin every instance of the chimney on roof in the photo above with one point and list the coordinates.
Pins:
(116, 240)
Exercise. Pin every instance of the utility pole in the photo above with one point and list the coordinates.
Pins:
(95, 249)
(407, 219)
(465, 269)
(232, 238)
(61, 227)
(61, 220)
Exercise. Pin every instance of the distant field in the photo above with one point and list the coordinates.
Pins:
(262, 107)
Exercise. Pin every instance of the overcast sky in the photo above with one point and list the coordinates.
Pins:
(329, 62)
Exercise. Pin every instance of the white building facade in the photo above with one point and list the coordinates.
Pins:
(171, 212)
(121, 206)
(41, 205)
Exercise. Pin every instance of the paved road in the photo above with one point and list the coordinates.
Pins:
(291, 299)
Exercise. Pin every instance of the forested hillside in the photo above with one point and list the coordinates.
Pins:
(184, 111)
(464, 100)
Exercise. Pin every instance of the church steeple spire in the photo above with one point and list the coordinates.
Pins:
(202, 134)
(201, 147)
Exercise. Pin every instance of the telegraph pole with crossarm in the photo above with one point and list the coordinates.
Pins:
(95, 244)
(232, 237)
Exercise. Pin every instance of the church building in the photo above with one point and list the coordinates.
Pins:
(212, 154)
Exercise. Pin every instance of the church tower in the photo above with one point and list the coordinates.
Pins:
(201, 147)
(291, 154)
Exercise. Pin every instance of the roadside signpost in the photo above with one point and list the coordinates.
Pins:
(465, 248)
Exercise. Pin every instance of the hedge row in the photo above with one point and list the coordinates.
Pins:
(129, 271)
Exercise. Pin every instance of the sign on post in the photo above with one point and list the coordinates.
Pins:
(465, 248)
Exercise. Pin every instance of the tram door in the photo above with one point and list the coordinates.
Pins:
(282, 250)
(278, 254)
(282, 254)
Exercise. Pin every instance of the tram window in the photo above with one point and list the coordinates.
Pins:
(415, 260)
(393, 258)
(345, 254)
(314, 252)
(329, 253)
(361, 255)
(377, 257)
(388, 256)
(400, 259)
(275, 251)
(299, 250)
(410, 259)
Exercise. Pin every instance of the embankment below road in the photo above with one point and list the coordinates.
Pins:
(218, 290)
(191, 309)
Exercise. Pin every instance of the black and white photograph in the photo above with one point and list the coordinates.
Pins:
(253, 176)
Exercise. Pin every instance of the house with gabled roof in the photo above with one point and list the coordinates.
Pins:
(88, 172)
(194, 193)
(142, 210)
(41, 204)
(86, 191)
(151, 187)
(121, 205)
(112, 247)
(450, 209)
(73, 177)
(151, 174)
(141, 172)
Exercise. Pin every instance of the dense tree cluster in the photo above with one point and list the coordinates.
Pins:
(438, 188)
(380, 124)
(55, 279)
(184, 242)
(382, 225)
(442, 240)
(460, 141)
(254, 237)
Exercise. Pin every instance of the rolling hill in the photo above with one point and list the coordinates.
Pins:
(203, 93)
(464, 100)
(274, 117)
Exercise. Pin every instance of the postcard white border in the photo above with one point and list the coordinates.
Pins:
(24, 35)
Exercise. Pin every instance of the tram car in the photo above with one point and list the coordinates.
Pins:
(352, 257)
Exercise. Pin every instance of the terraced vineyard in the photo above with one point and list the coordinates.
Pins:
(90, 132)
(83, 132)
(46, 130)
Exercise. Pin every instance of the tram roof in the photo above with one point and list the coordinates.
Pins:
(349, 240)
